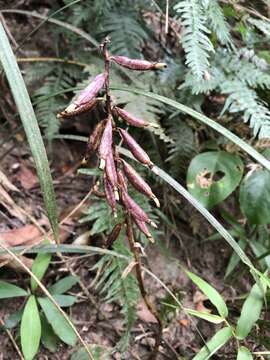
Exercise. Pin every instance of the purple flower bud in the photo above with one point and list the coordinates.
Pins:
(135, 210)
(135, 148)
(91, 91)
(142, 226)
(130, 119)
(138, 182)
(113, 235)
(109, 194)
(122, 180)
(105, 146)
(111, 174)
(94, 140)
(137, 64)
(72, 110)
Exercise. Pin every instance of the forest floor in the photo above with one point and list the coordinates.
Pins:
(100, 323)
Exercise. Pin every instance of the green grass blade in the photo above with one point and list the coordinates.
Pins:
(204, 119)
(30, 125)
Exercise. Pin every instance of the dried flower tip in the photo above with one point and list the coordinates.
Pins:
(111, 173)
(94, 140)
(142, 226)
(105, 146)
(91, 91)
(137, 64)
(109, 194)
(156, 201)
(121, 180)
(130, 119)
(135, 210)
(135, 148)
(138, 182)
(74, 110)
(113, 235)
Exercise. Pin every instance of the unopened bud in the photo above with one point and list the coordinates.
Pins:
(94, 140)
(109, 194)
(142, 226)
(91, 91)
(135, 148)
(138, 182)
(74, 110)
(135, 210)
(121, 180)
(111, 173)
(105, 146)
(113, 235)
(130, 119)
(137, 64)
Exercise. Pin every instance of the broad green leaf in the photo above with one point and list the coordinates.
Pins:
(30, 329)
(48, 337)
(244, 354)
(203, 119)
(217, 341)
(255, 197)
(212, 176)
(39, 267)
(63, 285)
(30, 125)
(65, 300)
(59, 324)
(212, 294)
(215, 319)
(98, 352)
(8, 290)
(250, 312)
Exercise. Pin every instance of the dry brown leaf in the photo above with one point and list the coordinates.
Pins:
(27, 177)
(144, 314)
(6, 183)
(25, 235)
(9, 204)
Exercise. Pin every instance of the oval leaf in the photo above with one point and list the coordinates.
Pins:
(39, 267)
(255, 197)
(215, 319)
(48, 338)
(217, 341)
(212, 176)
(8, 290)
(98, 352)
(250, 313)
(30, 329)
(211, 293)
(244, 354)
(59, 324)
(63, 285)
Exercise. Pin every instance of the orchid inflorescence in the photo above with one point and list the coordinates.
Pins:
(117, 172)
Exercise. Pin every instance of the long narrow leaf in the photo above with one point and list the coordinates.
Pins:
(217, 341)
(30, 125)
(204, 119)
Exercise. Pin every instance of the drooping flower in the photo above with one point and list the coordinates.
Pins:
(135, 148)
(137, 64)
(105, 146)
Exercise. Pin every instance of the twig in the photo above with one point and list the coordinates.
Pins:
(134, 249)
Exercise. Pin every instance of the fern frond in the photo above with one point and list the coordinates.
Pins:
(217, 22)
(261, 25)
(195, 41)
(116, 288)
(243, 99)
(127, 34)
